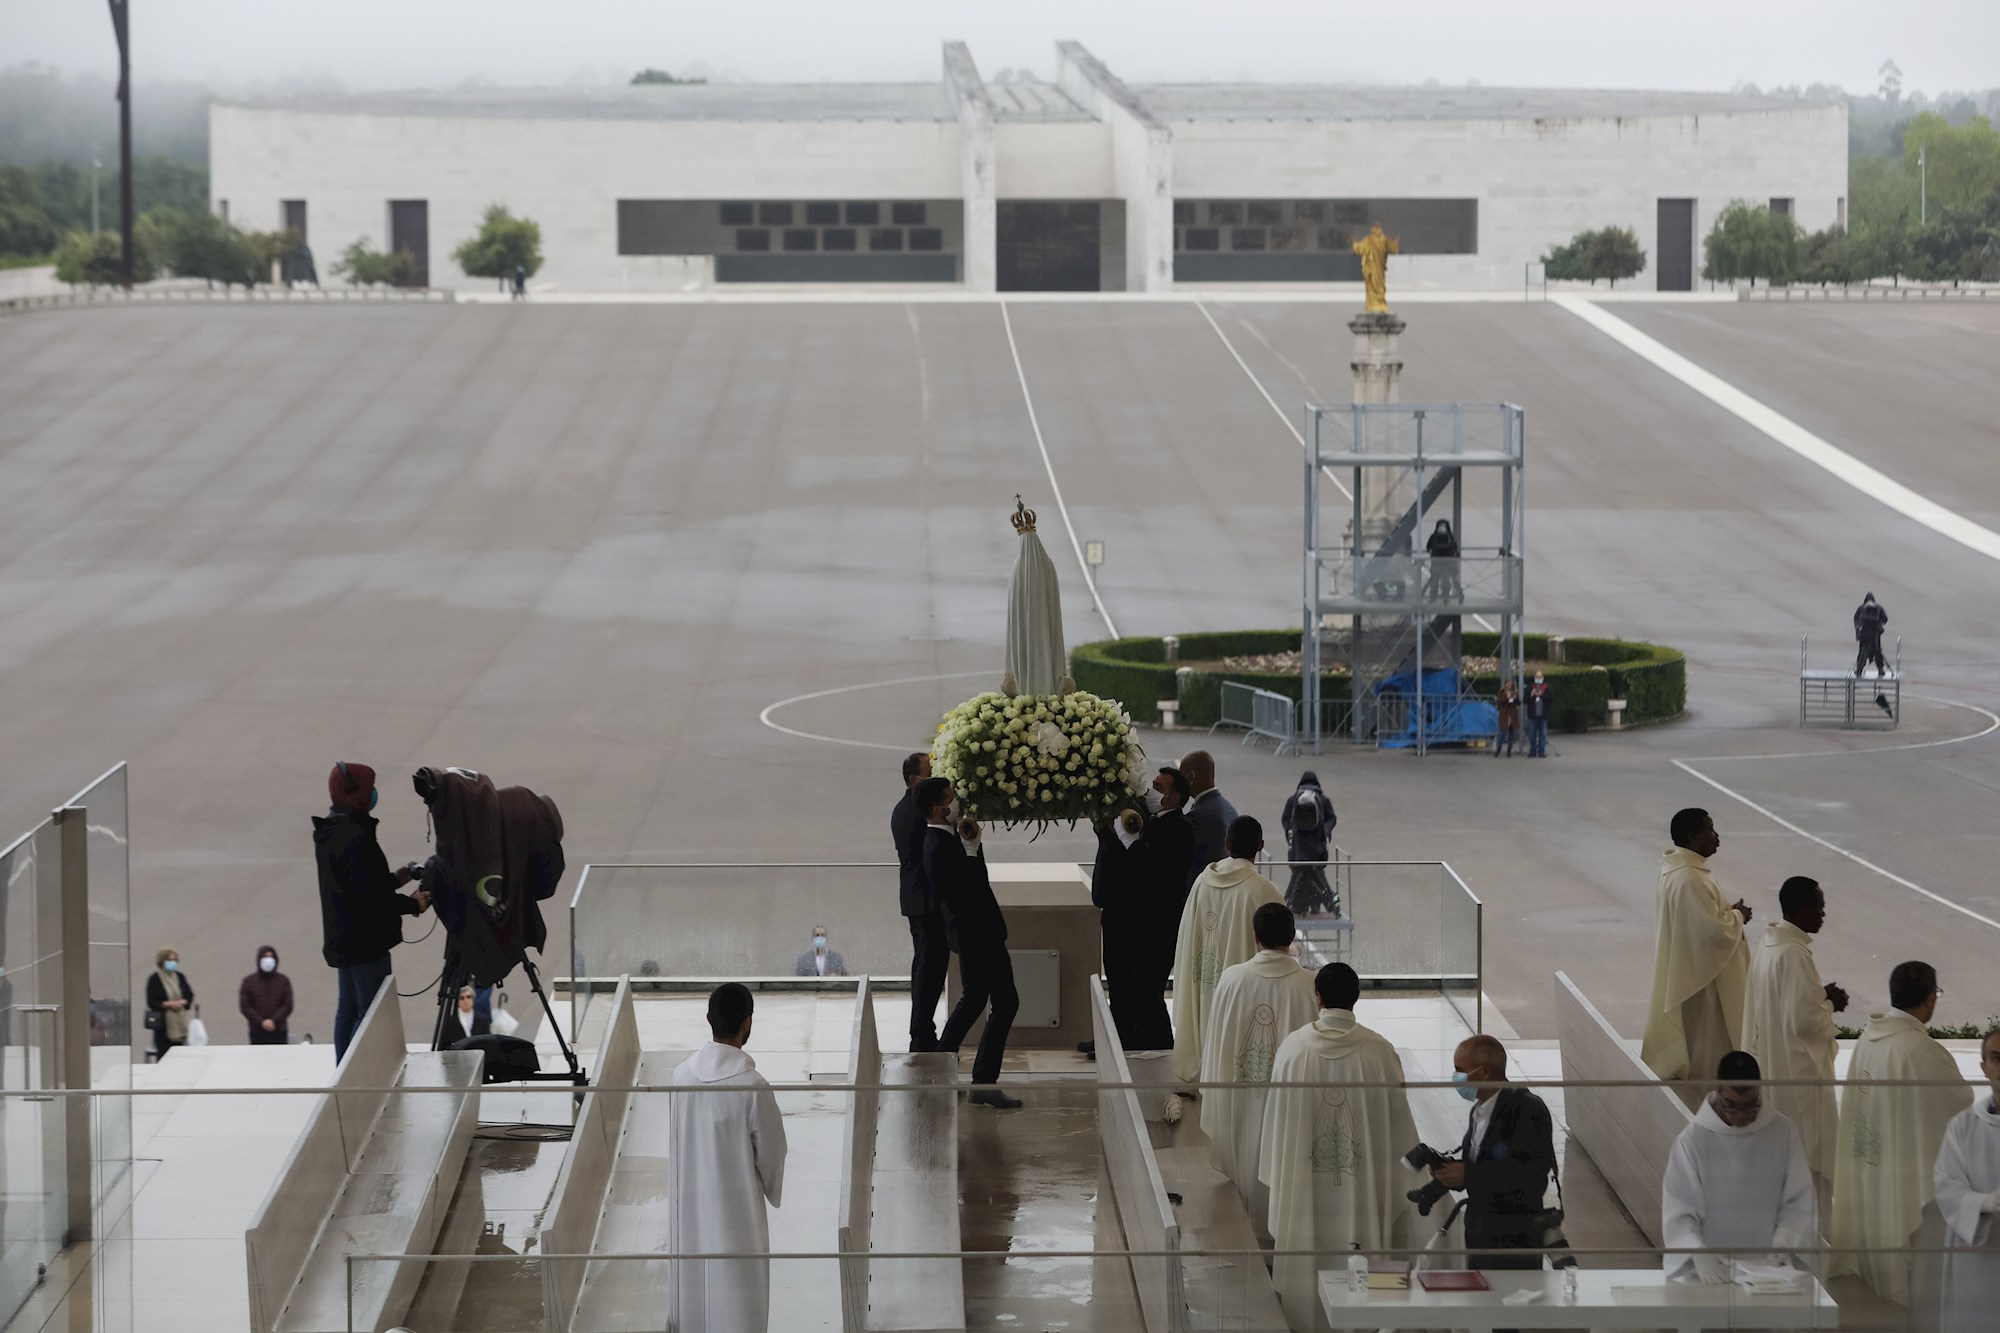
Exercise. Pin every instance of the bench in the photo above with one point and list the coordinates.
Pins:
(372, 1173)
(899, 1188)
(630, 1293)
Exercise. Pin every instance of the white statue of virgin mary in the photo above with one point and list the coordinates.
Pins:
(1036, 661)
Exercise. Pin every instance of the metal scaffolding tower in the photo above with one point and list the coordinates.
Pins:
(1376, 600)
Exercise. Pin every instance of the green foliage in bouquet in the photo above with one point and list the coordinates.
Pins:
(1040, 759)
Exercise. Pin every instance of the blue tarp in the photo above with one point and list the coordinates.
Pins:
(1448, 719)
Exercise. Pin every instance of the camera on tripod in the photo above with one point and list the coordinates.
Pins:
(1423, 1157)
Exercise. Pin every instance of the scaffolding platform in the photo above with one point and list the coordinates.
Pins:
(1848, 699)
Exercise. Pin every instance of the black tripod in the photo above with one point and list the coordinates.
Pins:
(457, 976)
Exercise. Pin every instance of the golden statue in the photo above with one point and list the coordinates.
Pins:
(1375, 249)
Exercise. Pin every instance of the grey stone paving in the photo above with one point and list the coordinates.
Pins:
(582, 547)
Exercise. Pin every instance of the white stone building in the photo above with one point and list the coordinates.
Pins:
(1086, 183)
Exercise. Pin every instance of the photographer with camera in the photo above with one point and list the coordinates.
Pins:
(360, 911)
(1504, 1163)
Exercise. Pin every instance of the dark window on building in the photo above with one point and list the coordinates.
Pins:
(907, 215)
(1264, 213)
(1183, 212)
(863, 215)
(1246, 238)
(1334, 238)
(1202, 238)
(1782, 207)
(410, 234)
(884, 238)
(753, 238)
(1309, 210)
(738, 215)
(822, 215)
(295, 218)
(1288, 238)
(926, 238)
(1225, 215)
(774, 215)
(801, 238)
(837, 238)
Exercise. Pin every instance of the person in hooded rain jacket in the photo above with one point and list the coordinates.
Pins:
(265, 1000)
(1308, 821)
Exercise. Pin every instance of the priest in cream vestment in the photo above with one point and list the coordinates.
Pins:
(1331, 1153)
(1257, 1005)
(1968, 1194)
(1215, 934)
(1788, 1025)
(1888, 1146)
(1700, 963)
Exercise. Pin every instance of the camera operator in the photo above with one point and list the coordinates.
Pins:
(1508, 1154)
(360, 911)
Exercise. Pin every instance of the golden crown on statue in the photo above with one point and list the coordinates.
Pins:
(1023, 518)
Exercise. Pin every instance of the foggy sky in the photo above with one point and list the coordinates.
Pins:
(364, 44)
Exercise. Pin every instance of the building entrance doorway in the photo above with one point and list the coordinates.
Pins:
(1048, 246)
(1676, 245)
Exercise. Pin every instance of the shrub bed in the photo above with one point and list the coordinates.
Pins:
(1652, 678)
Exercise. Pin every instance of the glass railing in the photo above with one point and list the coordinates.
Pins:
(1092, 1204)
(65, 1006)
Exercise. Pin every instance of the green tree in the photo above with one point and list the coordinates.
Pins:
(1750, 241)
(504, 241)
(93, 258)
(1961, 163)
(364, 265)
(202, 245)
(25, 230)
(650, 75)
(1613, 253)
(1564, 263)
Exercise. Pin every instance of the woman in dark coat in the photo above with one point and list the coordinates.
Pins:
(169, 1002)
(265, 1000)
(1308, 821)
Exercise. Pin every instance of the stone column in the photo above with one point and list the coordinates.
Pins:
(1386, 492)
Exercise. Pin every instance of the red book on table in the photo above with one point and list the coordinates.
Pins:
(1453, 1280)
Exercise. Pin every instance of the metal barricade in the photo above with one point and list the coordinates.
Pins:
(1262, 715)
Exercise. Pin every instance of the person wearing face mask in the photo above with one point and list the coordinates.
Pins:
(1536, 708)
(169, 1002)
(265, 1000)
(360, 911)
(1967, 1178)
(1145, 888)
(1505, 1161)
(955, 866)
(820, 961)
(1737, 1181)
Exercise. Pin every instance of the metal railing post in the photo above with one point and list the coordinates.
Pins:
(73, 1022)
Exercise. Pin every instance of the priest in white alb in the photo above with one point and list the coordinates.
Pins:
(1215, 934)
(1331, 1155)
(727, 1162)
(1967, 1178)
(1788, 1025)
(1737, 1180)
(1257, 1005)
(1887, 1151)
(1700, 963)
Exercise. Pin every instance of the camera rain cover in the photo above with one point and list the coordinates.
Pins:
(499, 854)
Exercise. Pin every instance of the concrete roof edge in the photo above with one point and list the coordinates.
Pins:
(1114, 88)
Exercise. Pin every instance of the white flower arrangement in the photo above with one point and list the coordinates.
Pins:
(1040, 759)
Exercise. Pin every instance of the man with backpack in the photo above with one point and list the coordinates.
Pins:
(1308, 822)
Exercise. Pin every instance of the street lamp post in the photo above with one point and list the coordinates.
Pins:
(121, 14)
(95, 167)
(1923, 190)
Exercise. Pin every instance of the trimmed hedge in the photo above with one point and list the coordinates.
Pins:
(1136, 673)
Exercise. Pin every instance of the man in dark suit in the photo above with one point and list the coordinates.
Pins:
(1209, 811)
(955, 866)
(1508, 1153)
(929, 958)
(1141, 892)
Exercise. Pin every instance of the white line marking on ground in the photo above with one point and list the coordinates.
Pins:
(765, 716)
(1230, 347)
(1325, 471)
(1054, 485)
(1992, 725)
(1862, 861)
(1874, 484)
